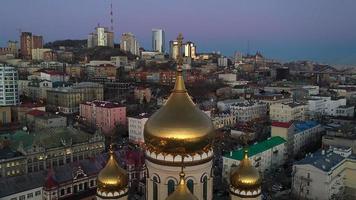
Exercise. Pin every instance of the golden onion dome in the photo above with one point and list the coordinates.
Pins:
(112, 178)
(246, 176)
(181, 192)
(179, 127)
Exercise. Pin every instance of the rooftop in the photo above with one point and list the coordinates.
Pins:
(282, 124)
(257, 148)
(323, 160)
(103, 104)
(304, 125)
(47, 138)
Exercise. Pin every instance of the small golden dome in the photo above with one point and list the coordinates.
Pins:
(112, 178)
(182, 192)
(246, 176)
(179, 127)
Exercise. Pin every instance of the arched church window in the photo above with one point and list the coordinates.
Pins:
(190, 184)
(205, 188)
(170, 187)
(155, 188)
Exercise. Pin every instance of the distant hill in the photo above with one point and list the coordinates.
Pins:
(74, 44)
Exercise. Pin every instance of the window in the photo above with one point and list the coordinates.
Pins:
(170, 187)
(69, 190)
(38, 193)
(22, 197)
(29, 195)
(190, 184)
(205, 188)
(62, 192)
(155, 188)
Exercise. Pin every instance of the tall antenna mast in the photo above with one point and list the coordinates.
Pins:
(111, 18)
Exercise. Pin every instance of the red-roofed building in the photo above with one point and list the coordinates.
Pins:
(103, 114)
(282, 124)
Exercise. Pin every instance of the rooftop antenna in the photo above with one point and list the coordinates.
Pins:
(111, 18)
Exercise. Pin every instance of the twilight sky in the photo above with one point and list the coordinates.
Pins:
(320, 30)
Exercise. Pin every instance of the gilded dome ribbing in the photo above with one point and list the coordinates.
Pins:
(246, 176)
(179, 127)
(112, 178)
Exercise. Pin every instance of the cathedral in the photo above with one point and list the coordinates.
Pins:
(179, 156)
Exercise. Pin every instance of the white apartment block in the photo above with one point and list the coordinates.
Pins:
(249, 110)
(286, 112)
(326, 174)
(265, 156)
(8, 86)
(319, 105)
(136, 126)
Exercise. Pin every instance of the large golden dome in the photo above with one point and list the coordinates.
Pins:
(112, 178)
(246, 176)
(181, 192)
(179, 127)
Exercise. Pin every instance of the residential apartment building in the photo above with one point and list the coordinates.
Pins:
(8, 86)
(224, 119)
(265, 156)
(298, 135)
(67, 99)
(29, 42)
(326, 174)
(100, 37)
(249, 110)
(103, 114)
(136, 126)
(321, 105)
(286, 112)
(5, 115)
(129, 43)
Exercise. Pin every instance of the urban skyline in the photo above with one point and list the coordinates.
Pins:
(283, 30)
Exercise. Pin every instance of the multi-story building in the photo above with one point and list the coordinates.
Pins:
(320, 105)
(190, 50)
(345, 111)
(222, 61)
(249, 110)
(38, 53)
(265, 156)
(53, 76)
(286, 112)
(143, 93)
(101, 37)
(67, 99)
(326, 174)
(37, 120)
(47, 148)
(104, 71)
(5, 115)
(173, 49)
(10, 49)
(158, 40)
(129, 43)
(224, 119)
(29, 42)
(298, 135)
(8, 86)
(340, 135)
(103, 114)
(136, 126)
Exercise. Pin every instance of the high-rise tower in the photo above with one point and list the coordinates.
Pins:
(158, 40)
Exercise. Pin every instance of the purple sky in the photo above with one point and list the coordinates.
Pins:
(321, 30)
